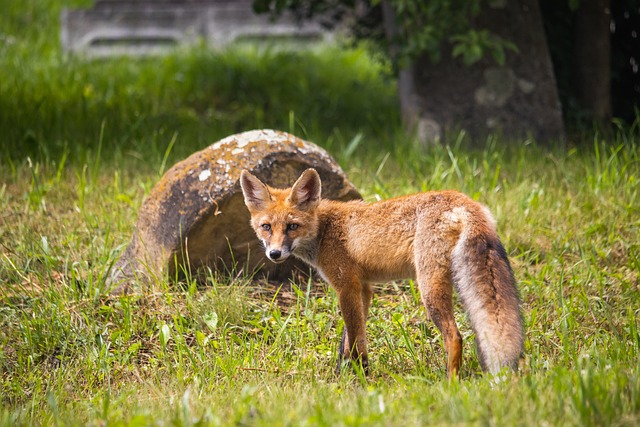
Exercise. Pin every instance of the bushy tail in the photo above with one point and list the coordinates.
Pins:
(486, 285)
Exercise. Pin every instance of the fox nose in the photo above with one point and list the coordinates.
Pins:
(274, 254)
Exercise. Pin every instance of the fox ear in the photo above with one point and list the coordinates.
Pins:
(256, 194)
(305, 193)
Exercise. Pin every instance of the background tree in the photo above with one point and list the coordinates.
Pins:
(594, 46)
(592, 61)
(485, 66)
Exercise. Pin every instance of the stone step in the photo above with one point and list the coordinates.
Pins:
(142, 27)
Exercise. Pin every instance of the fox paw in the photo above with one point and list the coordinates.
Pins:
(361, 361)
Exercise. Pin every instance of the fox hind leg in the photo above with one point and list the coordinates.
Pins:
(436, 290)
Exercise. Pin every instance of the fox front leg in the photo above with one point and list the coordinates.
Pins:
(355, 309)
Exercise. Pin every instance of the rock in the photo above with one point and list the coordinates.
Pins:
(195, 215)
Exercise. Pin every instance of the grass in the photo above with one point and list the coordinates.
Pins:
(84, 142)
(53, 103)
(237, 353)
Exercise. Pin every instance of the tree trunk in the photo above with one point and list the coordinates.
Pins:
(592, 59)
(516, 99)
(409, 108)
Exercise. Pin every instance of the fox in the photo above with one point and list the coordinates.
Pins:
(441, 239)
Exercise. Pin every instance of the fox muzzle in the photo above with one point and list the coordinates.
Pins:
(277, 255)
(274, 254)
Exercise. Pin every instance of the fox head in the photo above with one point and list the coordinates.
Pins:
(283, 219)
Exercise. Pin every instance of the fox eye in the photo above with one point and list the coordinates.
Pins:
(266, 227)
(292, 226)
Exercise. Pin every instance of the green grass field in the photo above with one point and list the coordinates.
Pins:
(83, 143)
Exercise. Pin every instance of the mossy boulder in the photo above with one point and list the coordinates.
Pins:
(195, 218)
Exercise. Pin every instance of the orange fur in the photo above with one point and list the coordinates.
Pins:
(438, 238)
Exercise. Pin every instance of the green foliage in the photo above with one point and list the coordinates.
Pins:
(54, 104)
(473, 45)
(421, 27)
(424, 27)
(194, 97)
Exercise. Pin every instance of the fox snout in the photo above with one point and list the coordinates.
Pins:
(277, 255)
(274, 254)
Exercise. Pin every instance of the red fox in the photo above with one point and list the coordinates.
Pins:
(440, 239)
